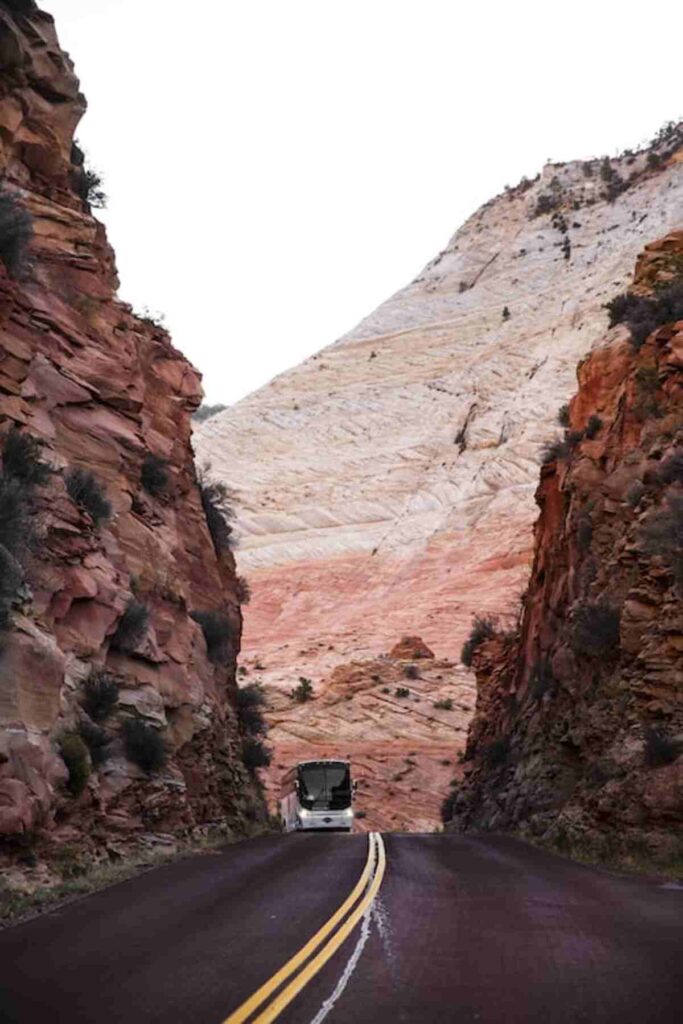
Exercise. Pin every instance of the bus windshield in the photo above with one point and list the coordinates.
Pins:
(325, 786)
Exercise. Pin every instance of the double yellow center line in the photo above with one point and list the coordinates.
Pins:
(355, 906)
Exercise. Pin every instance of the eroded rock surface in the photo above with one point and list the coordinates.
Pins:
(102, 390)
(578, 734)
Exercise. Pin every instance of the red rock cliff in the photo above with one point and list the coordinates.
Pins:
(578, 730)
(104, 391)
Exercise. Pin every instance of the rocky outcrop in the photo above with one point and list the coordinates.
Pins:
(578, 732)
(400, 718)
(386, 484)
(100, 597)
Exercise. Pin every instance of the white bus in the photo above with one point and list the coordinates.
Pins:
(317, 795)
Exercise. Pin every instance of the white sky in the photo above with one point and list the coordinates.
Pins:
(277, 168)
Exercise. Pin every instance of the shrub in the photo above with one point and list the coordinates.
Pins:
(557, 450)
(16, 522)
(92, 190)
(643, 314)
(144, 745)
(671, 469)
(16, 232)
(573, 438)
(132, 626)
(662, 535)
(593, 427)
(154, 474)
(217, 502)
(595, 630)
(541, 680)
(303, 692)
(635, 493)
(250, 703)
(11, 578)
(21, 459)
(563, 415)
(205, 412)
(101, 694)
(483, 628)
(218, 634)
(546, 203)
(96, 740)
(497, 752)
(660, 749)
(88, 493)
(444, 705)
(255, 754)
(75, 756)
(506, 313)
(402, 692)
(243, 590)
(411, 672)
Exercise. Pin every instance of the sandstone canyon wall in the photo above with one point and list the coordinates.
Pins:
(386, 484)
(103, 391)
(578, 733)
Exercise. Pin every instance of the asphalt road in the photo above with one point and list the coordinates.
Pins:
(463, 929)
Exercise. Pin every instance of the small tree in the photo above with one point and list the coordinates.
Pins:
(22, 459)
(217, 502)
(75, 756)
(250, 703)
(303, 692)
(255, 754)
(101, 694)
(218, 635)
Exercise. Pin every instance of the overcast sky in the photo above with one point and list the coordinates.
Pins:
(277, 168)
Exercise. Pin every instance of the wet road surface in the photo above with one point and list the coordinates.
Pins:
(463, 929)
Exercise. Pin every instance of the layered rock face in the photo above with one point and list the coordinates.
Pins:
(386, 484)
(104, 392)
(399, 719)
(578, 733)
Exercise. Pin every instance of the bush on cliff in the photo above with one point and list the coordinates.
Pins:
(21, 459)
(16, 232)
(217, 502)
(101, 694)
(75, 756)
(132, 627)
(218, 635)
(660, 749)
(662, 535)
(557, 450)
(643, 314)
(255, 754)
(250, 703)
(144, 745)
(448, 805)
(563, 415)
(11, 578)
(402, 692)
(303, 691)
(17, 533)
(96, 740)
(497, 752)
(595, 630)
(86, 491)
(483, 628)
(154, 474)
(593, 427)
(243, 590)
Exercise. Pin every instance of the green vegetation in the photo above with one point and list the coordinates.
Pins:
(443, 705)
(483, 628)
(154, 475)
(76, 758)
(402, 692)
(218, 635)
(101, 694)
(217, 502)
(662, 535)
(16, 232)
(593, 427)
(250, 703)
(144, 745)
(255, 754)
(643, 314)
(96, 740)
(22, 459)
(86, 491)
(243, 590)
(132, 627)
(563, 415)
(595, 630)
(303, 692)
(660, 749)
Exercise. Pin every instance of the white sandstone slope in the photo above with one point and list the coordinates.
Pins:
(386, 484)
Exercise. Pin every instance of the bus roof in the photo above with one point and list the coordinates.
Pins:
(324, 760)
